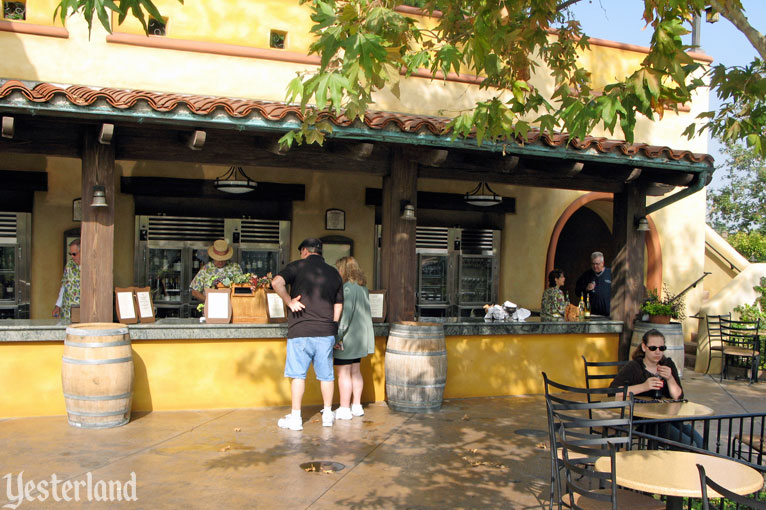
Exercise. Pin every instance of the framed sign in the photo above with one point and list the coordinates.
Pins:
(125, 305)
(144, 303)
(335, 219)
(378, 305)
(275, 307)
(217, 306)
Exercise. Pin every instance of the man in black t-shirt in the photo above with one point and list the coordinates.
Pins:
(315, 301)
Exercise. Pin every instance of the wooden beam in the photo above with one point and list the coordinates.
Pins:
(106, 134)
(196, 140)
(7, 127)
(628, 264)
(634, 174)
(508, 164)
(271, 145)
(355, 151)
(399, 260)
(97, 232)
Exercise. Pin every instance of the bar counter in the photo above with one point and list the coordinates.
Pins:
(20, 330)
(182, 364)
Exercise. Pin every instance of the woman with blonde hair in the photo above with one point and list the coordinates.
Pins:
(355, 340)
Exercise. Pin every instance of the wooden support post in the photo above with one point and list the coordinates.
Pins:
(628, 265)
(97, 232)
(399, 261)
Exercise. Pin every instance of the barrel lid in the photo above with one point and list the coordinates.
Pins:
(97, 329)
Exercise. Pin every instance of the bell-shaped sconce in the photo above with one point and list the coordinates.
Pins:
(642, 224)
(98, 198)
(408, 212)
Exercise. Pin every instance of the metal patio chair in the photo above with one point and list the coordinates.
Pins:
(574, 405)
(741, 339)
(714, 335)
(743, 502)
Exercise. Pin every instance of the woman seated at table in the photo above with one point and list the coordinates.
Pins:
(650, 374)
(554, 304)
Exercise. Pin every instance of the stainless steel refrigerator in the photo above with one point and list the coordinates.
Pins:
(458, 270)
(15, 259)
(170, 250)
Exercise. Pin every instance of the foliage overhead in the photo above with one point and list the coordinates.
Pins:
(367, 45)
(757, 310)
(739, 205)
(142, 10)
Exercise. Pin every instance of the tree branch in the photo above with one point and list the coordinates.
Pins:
(737, 18)
(566, 3)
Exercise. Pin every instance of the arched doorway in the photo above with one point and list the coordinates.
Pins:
(580, 230)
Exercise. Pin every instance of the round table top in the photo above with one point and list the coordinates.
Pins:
(675, 473)
(661, 410)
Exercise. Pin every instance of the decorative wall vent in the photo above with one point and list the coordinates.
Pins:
(177, 228)
(432, 237)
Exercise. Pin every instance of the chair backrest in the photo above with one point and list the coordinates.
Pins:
(585, 481)
(743, 501)
(743, 334)
(714, 327)
(577, 415)
(601, 370)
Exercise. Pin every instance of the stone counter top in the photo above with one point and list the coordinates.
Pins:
(20, 330)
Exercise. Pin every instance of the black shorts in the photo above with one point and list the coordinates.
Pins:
(338, 362)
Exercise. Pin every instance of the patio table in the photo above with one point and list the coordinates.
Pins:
(665, 410)
(674, 474)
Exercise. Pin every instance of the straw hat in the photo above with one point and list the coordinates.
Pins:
(220, 250)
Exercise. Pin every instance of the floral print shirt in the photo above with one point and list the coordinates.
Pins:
(553, 302)
(70, 282)
(209, 273)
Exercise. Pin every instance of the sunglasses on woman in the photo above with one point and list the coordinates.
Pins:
(655, 347)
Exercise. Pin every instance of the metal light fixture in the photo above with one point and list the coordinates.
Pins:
(408, 212)
(483, 196)
(235, 181)
(642, 224)
(99, 197)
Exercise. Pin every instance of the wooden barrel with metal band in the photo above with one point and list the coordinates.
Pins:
(97, 375)
(416, 367)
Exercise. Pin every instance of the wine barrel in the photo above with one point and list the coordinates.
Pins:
(97, 375)
(674, 340)
(416, 367)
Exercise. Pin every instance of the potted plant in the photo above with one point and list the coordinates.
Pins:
(661, 310)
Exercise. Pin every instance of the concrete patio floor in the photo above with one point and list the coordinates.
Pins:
(475, 453)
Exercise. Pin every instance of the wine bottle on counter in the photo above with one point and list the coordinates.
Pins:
(581, 308)
(587, 307)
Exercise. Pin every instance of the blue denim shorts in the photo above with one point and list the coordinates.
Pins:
(301, 351)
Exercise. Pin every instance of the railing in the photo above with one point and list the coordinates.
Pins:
(735, 436)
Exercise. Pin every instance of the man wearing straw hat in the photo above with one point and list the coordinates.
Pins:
(217, 269)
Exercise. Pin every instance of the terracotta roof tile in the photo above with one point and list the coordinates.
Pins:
(164, 102)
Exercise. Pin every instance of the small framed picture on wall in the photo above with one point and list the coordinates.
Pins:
(335, 219)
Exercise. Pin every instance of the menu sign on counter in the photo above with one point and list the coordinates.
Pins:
(217, 306)
(144, 301)
(125, 305)
(378, 305)
(276, 307)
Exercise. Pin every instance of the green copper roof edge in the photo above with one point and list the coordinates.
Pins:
(252, 123)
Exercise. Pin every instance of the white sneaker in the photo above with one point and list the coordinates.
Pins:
(356, 410)
(328, 418)
(343, 413)
(291, 422)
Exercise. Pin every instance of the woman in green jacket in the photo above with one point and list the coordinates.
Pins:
(356, 338)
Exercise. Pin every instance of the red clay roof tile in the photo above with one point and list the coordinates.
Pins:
(164, 102)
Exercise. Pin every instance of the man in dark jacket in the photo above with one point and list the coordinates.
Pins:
(595, 284)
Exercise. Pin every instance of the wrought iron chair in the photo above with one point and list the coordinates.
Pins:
(742, 501)
(714, 334)
(741, 339)
(575, 407)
